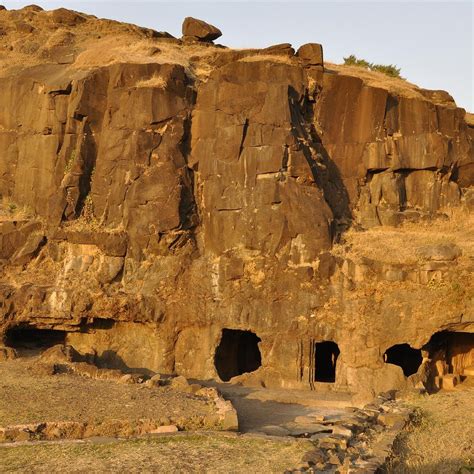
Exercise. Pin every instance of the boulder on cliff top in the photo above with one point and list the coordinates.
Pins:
(447, 252)
(199, 30)
(284, 49)
(311, 54)
(32, 8)
(67, 17)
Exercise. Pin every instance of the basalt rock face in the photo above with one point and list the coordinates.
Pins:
(148, 207)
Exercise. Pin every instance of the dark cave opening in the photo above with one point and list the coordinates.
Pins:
(237, 353)
(326, 354)
(452, 352)
(404, 356)
(28, 338)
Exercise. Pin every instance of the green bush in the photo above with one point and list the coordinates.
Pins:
(390, 70)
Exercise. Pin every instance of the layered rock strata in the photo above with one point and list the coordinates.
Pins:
(150, 204)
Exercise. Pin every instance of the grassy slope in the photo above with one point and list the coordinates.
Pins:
(441, 439)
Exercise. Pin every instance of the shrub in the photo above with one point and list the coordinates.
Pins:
(353, 61)
(390, 70)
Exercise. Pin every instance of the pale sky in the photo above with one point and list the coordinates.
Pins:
(432, 41)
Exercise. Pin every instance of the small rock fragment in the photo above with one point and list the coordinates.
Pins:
(127, 379)
(180, 383)
(165, 429)
(389, 419)
(342, 431)
(7, 353)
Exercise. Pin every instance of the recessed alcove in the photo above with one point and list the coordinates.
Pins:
(28, 338)
(325, 354)
(453, 352)
(237, 353)
(405, 356)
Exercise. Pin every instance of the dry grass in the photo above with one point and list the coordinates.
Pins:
(101, 42)
(442, 437)
(97, 43)
(378, 79)
(280, 59)
(11, 211)
(194, 58)
(29, 398)
(156, 82)
(401, 244)
(212, 453)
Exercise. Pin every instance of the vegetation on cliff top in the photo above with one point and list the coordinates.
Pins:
(390, 69)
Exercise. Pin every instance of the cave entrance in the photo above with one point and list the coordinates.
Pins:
(30, 340)
(325, 359)
(452, 353)
(237, 353)
(404, 356)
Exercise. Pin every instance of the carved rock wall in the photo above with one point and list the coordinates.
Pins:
(174, 208)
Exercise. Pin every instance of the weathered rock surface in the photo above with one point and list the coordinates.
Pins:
(199, 30)
(174, 191)
(311, 54)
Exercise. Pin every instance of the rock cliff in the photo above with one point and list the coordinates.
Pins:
(189, 208)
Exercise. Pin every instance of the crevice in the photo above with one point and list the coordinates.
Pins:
(244, 136)
(324, 171)
(66, 91)
(188, 213)
(86, 163)
(30, 340)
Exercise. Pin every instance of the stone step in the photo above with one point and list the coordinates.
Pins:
(448, 381)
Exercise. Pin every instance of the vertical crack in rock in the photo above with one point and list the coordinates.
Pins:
(325, 172)
(188, 207)
(244, 135)
(88, 155)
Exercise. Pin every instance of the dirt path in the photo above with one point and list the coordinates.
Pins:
(261, 407)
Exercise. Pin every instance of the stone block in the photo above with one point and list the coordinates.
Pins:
(450, 381)
(468, 371)
(311, 54)
(167, 429)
